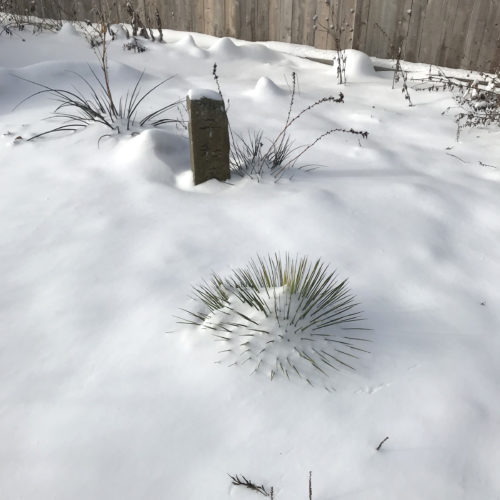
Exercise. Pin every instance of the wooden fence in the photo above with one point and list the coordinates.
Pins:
(455, 33)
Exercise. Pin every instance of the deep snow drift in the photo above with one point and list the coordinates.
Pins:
(105, 396)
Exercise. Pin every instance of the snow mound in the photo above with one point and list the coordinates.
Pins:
(52, 73)
(188, 44)
(154, 154)
(260, 53)
(359, 66)
(68, 29)
(265, 88)
(225, 47)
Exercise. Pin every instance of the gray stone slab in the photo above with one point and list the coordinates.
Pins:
(208, 137)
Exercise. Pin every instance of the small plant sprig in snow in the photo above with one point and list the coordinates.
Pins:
(335, 27)
(134, 45)
(254, 156)
(284, 316)
(397, 53)
(243, 481)
(138, 27)
(478, 102)
(401, 75)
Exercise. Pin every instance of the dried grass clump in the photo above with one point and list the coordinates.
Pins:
(284, 317)
(477, 100)
(256, 155)
(94, 103)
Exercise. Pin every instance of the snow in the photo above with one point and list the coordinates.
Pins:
(104, 395)
(359, 66)
(266, 89)
(198, 94)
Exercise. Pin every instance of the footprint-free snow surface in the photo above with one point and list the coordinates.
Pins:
(105, 396)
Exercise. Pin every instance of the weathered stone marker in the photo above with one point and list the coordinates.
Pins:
(208, 136)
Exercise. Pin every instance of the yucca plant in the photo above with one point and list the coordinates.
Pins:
(282, 316)
(78, 108)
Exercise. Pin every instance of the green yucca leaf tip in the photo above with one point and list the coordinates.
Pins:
(284, 317)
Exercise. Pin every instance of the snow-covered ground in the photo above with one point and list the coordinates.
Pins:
(104, 396)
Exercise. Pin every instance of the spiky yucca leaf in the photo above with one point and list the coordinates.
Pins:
(95, 104)
(284, 316)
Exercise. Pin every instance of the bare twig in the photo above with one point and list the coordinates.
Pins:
(138, 27)
(457, 157)
(381, 443)
(478, 102)
(159, 24)
(243, 481)
(487, 165)
(335, 27)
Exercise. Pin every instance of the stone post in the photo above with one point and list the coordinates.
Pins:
(208, 136)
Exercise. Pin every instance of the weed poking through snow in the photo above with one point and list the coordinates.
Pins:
(338, 29)
(243, 481)
(255, 155)
(379, 447)
(398, 54)
(284, 317)
(134, 45)
(478, 101)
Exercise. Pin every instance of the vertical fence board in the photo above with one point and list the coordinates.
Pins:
(321, 37)
(350, 16)
(432, 28)
(453, 34)
(404, 19)
(197, 14)
(414, 29)
(362, 11)
(286, 16)
(232, 13)
(262, 21)
(169, 14)
(248, 15)
(220, 18)
(178, 15)
(305, 12)
(214, 17)
(478, 20)
(274, 19)
(488, 42)
(298, 21)
(490, 51)
(379, 31)
(208, 17)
